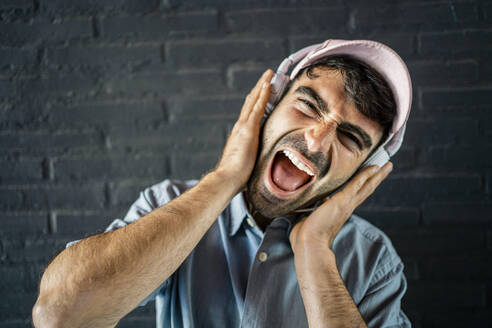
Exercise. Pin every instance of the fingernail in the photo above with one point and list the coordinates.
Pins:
(389, 168)
(265, 84)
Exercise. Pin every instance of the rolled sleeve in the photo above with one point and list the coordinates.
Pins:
(381, 305)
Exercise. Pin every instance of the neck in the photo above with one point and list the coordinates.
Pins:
(261, 221)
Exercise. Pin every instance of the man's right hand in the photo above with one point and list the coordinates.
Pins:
(239, 155)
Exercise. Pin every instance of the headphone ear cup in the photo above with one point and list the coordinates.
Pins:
(379, 158)
(278, 83)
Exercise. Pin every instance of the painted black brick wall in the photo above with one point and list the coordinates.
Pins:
(99, 99)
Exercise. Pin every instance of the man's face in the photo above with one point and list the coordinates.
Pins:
(314, 140)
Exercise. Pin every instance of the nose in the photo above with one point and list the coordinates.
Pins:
(320, 136)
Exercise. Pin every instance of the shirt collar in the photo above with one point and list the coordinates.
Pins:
(239, 212)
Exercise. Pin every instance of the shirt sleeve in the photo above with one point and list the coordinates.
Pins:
(381, 305)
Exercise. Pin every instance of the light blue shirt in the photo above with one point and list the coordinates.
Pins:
(240, 276)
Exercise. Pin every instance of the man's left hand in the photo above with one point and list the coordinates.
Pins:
(318, 230)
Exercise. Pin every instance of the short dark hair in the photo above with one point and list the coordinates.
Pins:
(364, 86)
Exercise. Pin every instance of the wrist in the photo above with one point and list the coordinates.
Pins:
(226, 180)
(306, 255)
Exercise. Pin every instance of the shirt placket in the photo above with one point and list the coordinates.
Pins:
(271, 274)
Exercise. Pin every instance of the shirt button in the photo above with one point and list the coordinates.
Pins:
(262, 256)
(250, 222)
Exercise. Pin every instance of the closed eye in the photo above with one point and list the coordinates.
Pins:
(351, 137)
(311, 106)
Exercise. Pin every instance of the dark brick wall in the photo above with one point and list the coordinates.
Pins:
(99, 99)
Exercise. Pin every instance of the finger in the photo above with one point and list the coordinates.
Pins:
(251, 98)
(359, 180)
(373, 182)
(259, 107)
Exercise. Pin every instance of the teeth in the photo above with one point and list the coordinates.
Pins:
(297, 162)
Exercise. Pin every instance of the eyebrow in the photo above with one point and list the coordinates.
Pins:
(366, 139)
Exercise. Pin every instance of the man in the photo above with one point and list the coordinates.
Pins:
(244, 247)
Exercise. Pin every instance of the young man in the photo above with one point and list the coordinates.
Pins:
(244, 247)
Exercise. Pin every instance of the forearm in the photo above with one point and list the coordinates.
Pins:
(325, 297)
(105, 276)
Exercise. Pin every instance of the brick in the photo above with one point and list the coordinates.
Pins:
(485, 71)
(244, 77)
(176, 137)
(58, 86)
(7, 88)
(275, 21)
(21, 171)
(457, 213)
(486, 127)
(20, 223)
(17, 277)
(193, 165)
(382, 217)
(25, 115)
(404, 159)
(167, 83)
(459, 43)
(461, 157)
(441, 240)
(205, 109)
(431, 131)
(459, 318)
(462, 268)
(414, 191)
(158, 27)
(487, 10)
(206, 53)
(64, 196)
(16, 4)
(411, 270)
(20, 34)
(83, 223)
(15, 58)
(458, 98)
(194, 4)
(125, 193)
(412, 16)
(102, 169)
(107, 57)
(438, 73)
(13, 10)
(17, 305)
(28, 251)
(446, 296)
(16, 324)
(42, 141)
(11, 198)
(94, 7)
(107, 114)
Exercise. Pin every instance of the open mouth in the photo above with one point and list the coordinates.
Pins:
(289, 173)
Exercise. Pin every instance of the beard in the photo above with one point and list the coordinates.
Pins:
(270, 206)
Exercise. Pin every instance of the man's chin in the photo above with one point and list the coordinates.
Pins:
(268, 205)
